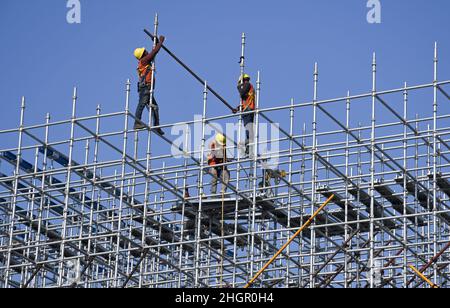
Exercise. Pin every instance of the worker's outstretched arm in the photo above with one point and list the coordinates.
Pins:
(151, 55)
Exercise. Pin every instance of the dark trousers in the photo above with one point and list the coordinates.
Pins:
(249, 120)
(144, 101)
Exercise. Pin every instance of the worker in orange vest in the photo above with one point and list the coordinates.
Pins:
(247, 94)
(218, 156)
(145, 72)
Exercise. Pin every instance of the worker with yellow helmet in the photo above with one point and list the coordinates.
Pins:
(247, 106)
(216, 158)
(146, 79)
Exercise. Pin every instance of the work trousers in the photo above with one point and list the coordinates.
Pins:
(249, 124)
(219, 173)
(144, 102)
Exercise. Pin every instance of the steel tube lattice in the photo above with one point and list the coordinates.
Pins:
(84, 204)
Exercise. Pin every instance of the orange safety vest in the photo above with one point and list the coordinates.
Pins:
(212, 157)
(249, 103)
(145, 71)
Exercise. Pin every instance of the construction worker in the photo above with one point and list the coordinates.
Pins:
(268, 175)
(145, 72)
(217, 156)
(247, 94)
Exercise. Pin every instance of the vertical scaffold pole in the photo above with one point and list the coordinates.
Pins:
(255, 171)
(314, 173)
(359, 173)
(347, 174)
(302, 257)
(435, 157)
(289, 204)
(28, 270)
(42, 202)
(201, 189)
(94, 171)
(148, 167)
(238, 173)
(183, 210)
(430, 218)
(372, 174)
(67, 188)
(16, 187)
(122, 181)
(242, 69)
(242, 63)
(405, 192)
(153, 69)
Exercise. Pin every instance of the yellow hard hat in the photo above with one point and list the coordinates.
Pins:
(242, 77)
(221, 139)
(139, 52)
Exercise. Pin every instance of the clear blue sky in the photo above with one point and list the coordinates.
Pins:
(42, 56)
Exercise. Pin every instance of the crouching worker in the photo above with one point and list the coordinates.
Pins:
(218, 156)
(145, 72)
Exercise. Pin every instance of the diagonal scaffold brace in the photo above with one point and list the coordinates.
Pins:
(424, 278)
(306, 225)
(430, 263)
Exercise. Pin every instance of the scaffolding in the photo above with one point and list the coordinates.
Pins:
(84, 204)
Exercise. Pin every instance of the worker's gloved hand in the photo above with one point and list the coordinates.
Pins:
(235, 110)
(162, 38)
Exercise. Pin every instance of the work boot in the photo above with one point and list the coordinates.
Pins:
(160, 132)
(139, 126)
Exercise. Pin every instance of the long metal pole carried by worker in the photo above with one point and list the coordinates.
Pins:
(418, 273)
(202, 81)
(306, 225)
